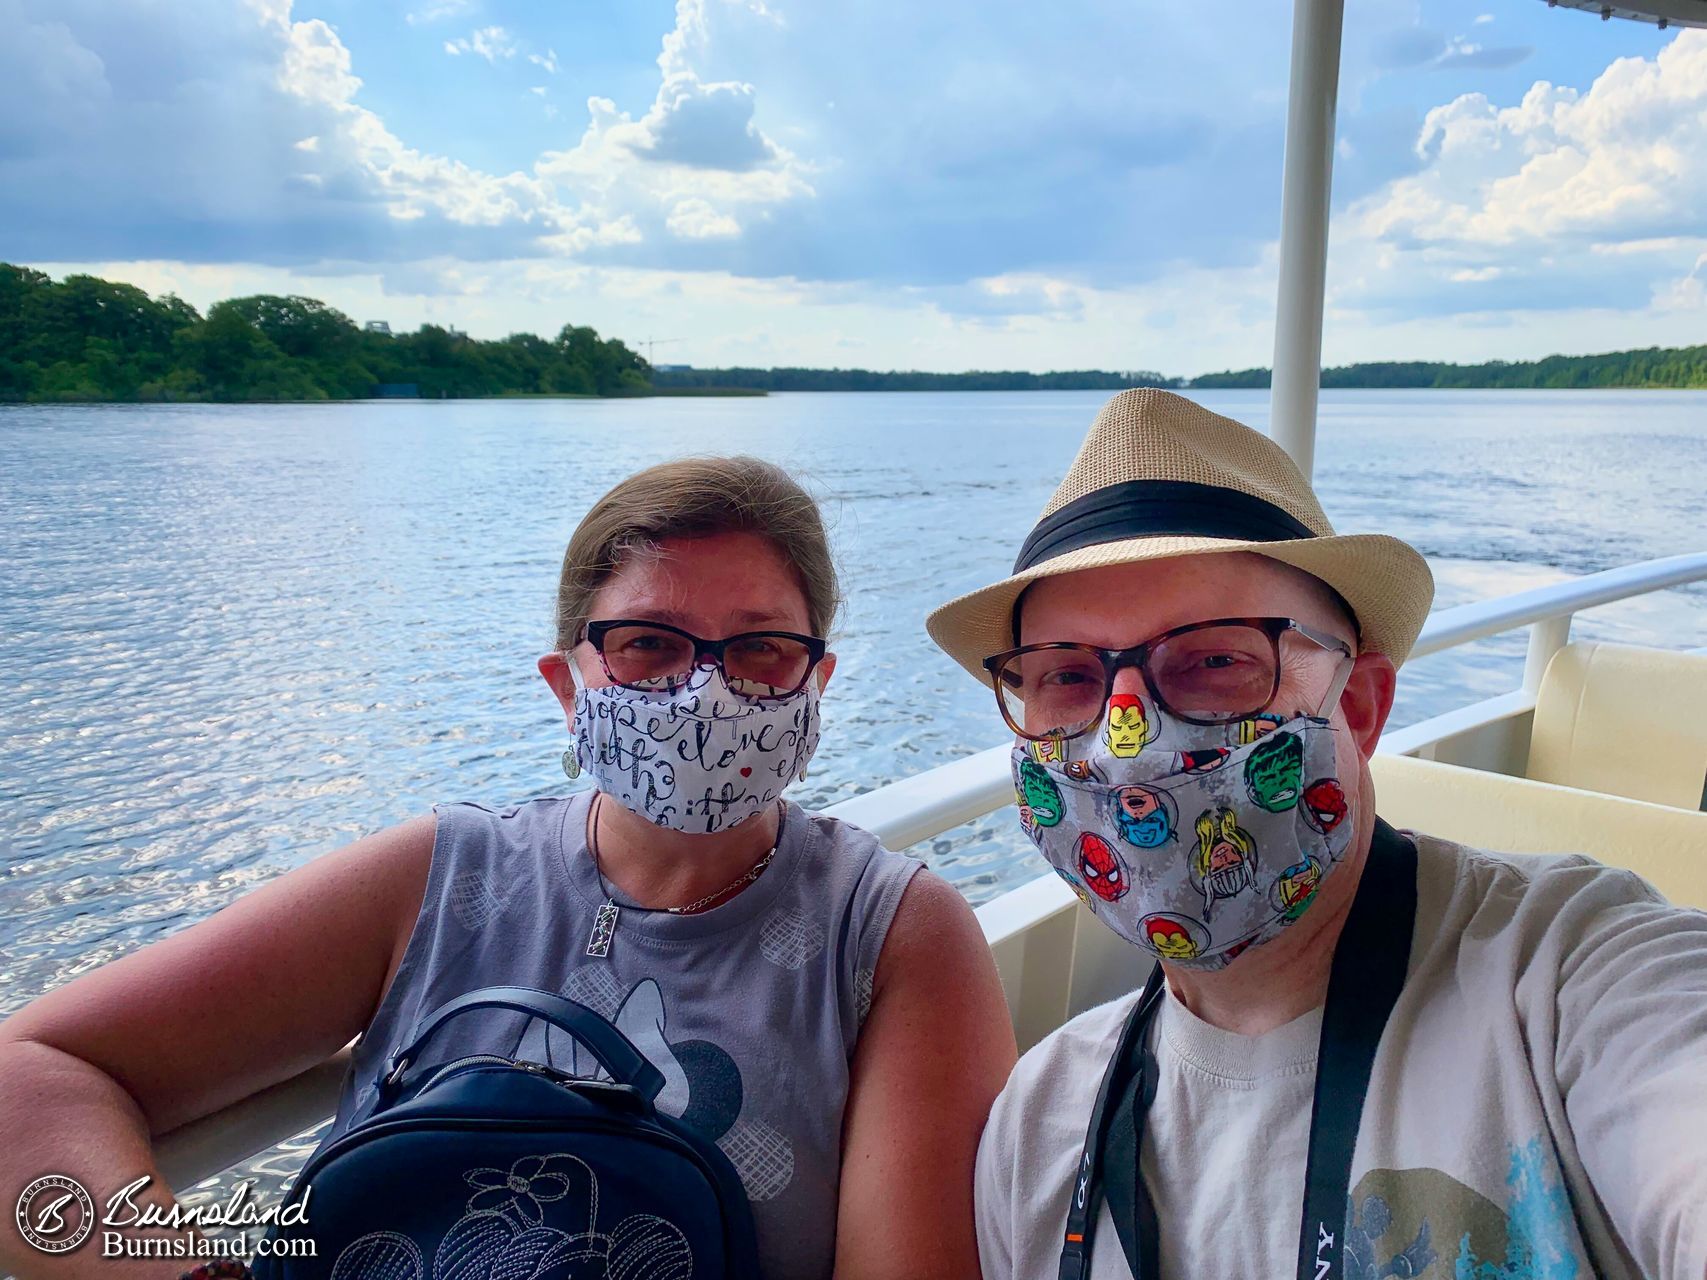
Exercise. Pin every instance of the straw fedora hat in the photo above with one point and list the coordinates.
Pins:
(1159, 475)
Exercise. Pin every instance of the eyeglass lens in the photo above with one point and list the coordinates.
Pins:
(757, 666)
(1221, 672)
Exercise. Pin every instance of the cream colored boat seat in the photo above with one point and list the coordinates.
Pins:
(1623, 720)
(1666, 846)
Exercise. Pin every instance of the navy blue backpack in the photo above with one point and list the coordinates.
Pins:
(487, 1168)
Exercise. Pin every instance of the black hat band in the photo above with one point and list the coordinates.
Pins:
(1152, 508)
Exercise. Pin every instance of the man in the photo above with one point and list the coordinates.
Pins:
(1375, 1053)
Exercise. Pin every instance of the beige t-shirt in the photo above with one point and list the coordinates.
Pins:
(1538, 1108)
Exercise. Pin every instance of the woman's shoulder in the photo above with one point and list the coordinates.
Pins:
(836, 848)
(525, 822)
(483, 854)
(836, 832)
(845, 874)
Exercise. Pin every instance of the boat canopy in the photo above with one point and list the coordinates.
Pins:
(1665, 13)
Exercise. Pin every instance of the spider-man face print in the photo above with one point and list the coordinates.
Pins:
(1325, 805)
(1101, 870)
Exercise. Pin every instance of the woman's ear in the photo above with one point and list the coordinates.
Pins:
(825, 669)
(1368, 699)
(561, 677)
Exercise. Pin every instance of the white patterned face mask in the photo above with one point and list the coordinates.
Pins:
(697, 759)
(1195, 842)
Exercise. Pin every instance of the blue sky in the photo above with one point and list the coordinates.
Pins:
(964, 184)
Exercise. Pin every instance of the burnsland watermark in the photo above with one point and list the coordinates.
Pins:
(56, 1215)
(241, 1245)
(239, 1211)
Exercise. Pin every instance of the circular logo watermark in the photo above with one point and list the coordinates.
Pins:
(55, 1213)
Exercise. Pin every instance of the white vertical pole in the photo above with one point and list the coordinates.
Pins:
(1546, 638)
(1305, 189)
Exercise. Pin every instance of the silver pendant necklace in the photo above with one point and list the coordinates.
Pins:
(604, 920)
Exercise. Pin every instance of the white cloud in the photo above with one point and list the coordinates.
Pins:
(548, 60)
(316, 66)
(218, 162)
(1001, 299)
(1626, 159)
(692, 170)
(696, 219)
(439, 11)
(704, 125)
(759, 9)
(1657, 244)
(182, 131)
(491, 43)
(1686, 294)
(1482, 19)
(1412, 44)
(1565, 199)
(1461, 52)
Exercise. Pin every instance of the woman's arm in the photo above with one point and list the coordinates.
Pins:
(91, 1072)
(933, 1053)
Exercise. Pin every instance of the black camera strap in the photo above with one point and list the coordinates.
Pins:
(1368, 973)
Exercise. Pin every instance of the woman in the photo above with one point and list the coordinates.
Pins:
(821, 1007)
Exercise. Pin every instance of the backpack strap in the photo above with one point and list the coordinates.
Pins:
(613, 1050)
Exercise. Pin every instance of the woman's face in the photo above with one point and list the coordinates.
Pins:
(714, 586)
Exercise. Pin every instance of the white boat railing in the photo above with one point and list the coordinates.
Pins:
(1048, 958)
(1548, 613)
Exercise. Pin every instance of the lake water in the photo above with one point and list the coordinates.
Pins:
(237, 637)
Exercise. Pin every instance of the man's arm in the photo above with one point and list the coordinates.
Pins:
(1631, 1062)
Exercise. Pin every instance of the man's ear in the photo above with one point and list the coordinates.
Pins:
(824, 670)
(558, 674)
(1368, 699)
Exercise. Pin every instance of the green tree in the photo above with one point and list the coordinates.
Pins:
(19, 371)
(612, 367)
(99, 339)
(236, 361)
(302, 328)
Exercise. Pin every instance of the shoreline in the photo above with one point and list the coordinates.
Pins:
(667, 393)
(740, 393)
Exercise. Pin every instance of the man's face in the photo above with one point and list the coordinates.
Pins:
(1123, 605)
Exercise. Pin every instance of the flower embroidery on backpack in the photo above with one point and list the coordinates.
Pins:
(526, 1187)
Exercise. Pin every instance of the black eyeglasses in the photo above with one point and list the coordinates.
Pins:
(659, 658)
(1216, 672)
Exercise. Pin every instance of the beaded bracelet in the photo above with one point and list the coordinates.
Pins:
(224, 1269)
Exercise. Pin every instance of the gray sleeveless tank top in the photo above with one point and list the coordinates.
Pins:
(750, 1010)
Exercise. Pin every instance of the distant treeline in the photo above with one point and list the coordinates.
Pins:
(869, 380)
(84, 338)
(1653, 367)
(90, 339)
